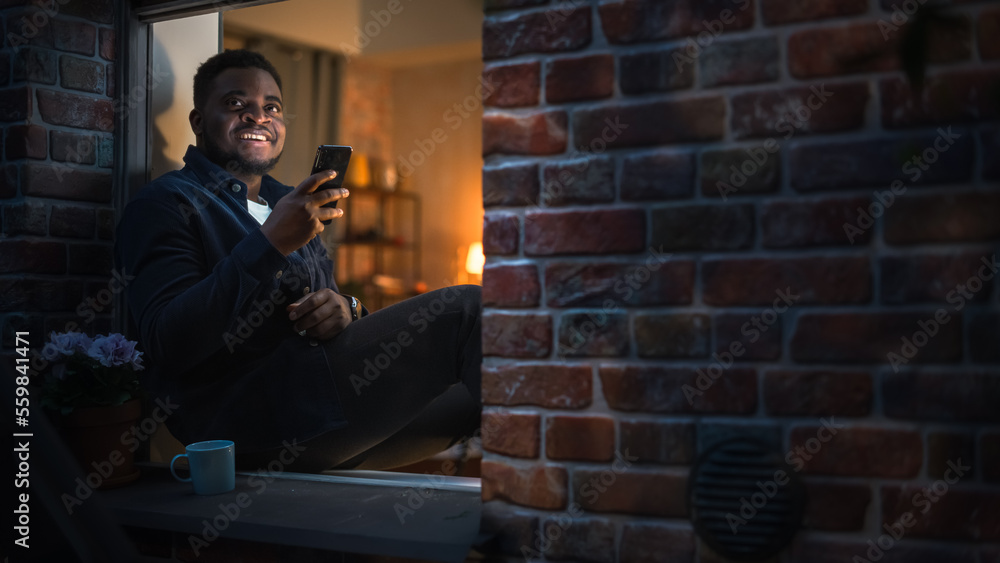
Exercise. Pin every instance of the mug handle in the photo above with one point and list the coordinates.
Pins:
(174, 473)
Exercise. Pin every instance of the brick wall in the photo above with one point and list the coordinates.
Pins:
(57, 86)
(739, 215)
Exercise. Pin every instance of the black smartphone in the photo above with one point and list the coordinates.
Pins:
(332, 157)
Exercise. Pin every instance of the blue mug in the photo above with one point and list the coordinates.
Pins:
(213, 466)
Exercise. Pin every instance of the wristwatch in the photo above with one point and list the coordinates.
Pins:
(355, 308)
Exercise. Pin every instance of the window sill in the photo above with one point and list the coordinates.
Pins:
(367, 512)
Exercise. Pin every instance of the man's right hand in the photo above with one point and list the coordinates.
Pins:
(297, 217)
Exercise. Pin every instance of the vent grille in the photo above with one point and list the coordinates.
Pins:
(745, 502)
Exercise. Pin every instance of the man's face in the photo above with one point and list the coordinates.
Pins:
(241, 126)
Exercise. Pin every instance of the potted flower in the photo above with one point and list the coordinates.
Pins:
(92, 389)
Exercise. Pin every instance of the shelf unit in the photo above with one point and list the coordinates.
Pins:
(378, 241)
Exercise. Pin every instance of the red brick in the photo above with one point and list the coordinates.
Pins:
(659, 175)
(537, 133)
(512, 85)
(110, 73)
(757, 340)
(74, 37)
(880, 162)
(671, 443)
(817, 393)
(72, 221)
(666, 390)
(990, 139)
(24, 218)
(27, 294)
(988, 29)
(662, 70)
(520, 436)
(856, 451)
(820, 108)
(97, 259)
(672, 335)
(627, 490)
(807, 548)
(500, 233)
(588, 77)
(73, 147)
(25, 141)
(507, 4)
(948, 98)
(766, 281)
(37, 66)
(15, 104)
(21, 256)
(22, 31)
(651, 123)
(511, 286)
(581, 180)
(944, 511)
(81, 74)
(955, 395)
(107, 45)
(795, 223)
(635, 21)
(989, 456)
(703, 227)
(510, 184)
(743, 171)
(64, 182)
(954, 447)
(655, 281)
(969, 216)
(870, 337)
(949, 39)
(510, 527)
(607, 231)
(100, 11)
(563, 29)
(593, 333)
(517, 336)
(836, 507)
(777, 12)
(741, 61)
(580, 539)
(74, 110)
(105, 224)
(932, 277)
(9, 181)
(983, 334)
(539, 486)
(849, 49)
(556, 386)
(657, 543)
(584, 438)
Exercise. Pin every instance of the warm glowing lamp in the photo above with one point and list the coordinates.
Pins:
(475, 260)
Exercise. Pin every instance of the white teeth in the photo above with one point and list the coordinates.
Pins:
(253, 137)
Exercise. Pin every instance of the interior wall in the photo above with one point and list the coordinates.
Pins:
(437, 143)
(179, 46)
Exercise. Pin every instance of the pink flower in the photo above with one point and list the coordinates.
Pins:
(115, 350)
(65, 344)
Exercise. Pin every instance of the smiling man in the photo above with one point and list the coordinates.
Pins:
(234, 303)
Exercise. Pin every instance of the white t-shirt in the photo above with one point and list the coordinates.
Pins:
(259, 211)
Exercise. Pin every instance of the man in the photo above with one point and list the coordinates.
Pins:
(235, 305)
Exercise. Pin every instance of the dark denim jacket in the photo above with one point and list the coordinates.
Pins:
(208, 302)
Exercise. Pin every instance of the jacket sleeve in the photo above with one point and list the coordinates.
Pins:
(182, 306)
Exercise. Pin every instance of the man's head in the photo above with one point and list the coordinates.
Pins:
(238, 117)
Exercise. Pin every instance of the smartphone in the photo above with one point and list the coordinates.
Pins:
(332, 157)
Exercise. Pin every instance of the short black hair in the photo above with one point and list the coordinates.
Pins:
(230, 58)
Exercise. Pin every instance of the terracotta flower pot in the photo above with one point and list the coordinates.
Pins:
(94, 435)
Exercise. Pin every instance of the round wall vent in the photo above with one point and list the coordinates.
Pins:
(745, 502)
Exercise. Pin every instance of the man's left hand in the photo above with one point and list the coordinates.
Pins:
(322, 314)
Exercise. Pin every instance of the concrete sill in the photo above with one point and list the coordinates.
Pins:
(378, 513)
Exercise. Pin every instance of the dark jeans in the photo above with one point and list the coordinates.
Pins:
(408, 377)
